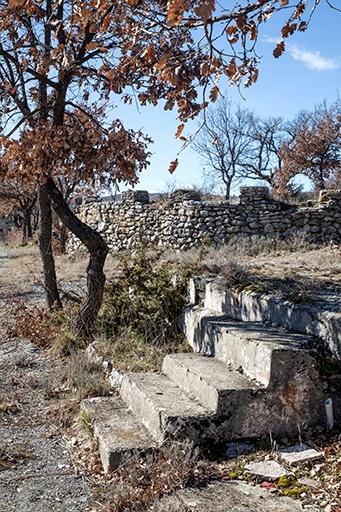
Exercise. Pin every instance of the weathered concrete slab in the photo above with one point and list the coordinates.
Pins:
(162, 406)
(194, 325)
(267, 470)
(299, 454)
(120, 435)
(236, 497)
(259, 350)
(248, 306)
(214, 384)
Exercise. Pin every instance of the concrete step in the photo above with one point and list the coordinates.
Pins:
(212, 382)
(119, 433)
(163, 407)
(269, 355)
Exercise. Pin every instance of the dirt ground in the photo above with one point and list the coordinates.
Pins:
(20, 267)
(37, 472)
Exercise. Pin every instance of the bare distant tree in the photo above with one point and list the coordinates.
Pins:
(236, 144)
(224, 142)
(263, 159)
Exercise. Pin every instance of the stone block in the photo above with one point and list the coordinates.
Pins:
(299, 454)
(268, 470)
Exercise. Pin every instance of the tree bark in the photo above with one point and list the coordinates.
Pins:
(29, 225)
(227, 189)
(63, 238)
(45, 248)
(27, 230)
(24, 232)
(98, 250)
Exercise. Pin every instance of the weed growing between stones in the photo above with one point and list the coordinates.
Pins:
(85, 423)
(7, 407)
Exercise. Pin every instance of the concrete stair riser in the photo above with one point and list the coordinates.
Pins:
(259, 351)
(163, 407)
(211, 382)
(142, 407)
(194, 322)
(253, 358)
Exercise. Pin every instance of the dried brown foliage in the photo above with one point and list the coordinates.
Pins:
(32, 322)
(315, 150)
(55, 56)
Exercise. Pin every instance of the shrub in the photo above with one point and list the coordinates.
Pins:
(144, 301)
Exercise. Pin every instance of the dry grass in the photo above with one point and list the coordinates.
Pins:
(84, 377)
(77, 377)
(272, 258)
(127, 352)
(139, 485)
(72, 380)
(19, 270)
(295, 267)
(85, 423)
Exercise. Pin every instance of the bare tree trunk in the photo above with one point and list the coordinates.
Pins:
(62, 238)
(27, 231)
(98, 251)
(227, 189)
(45, 248)
(24, 231)
(29, 225)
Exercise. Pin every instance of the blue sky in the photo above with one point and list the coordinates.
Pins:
(307, 73)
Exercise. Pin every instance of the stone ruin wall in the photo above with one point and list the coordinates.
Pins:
(181, 221)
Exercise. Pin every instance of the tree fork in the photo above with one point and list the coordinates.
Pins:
(45, 248)
(98, 250)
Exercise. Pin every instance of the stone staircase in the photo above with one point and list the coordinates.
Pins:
(245, 381)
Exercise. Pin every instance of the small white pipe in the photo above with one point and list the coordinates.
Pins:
(328, 404)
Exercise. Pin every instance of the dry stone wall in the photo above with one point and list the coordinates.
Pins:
(183, 221)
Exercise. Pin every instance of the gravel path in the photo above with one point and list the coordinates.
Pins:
(37, 472)
(43, 477)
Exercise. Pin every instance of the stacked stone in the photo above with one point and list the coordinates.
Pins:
(183, 221)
